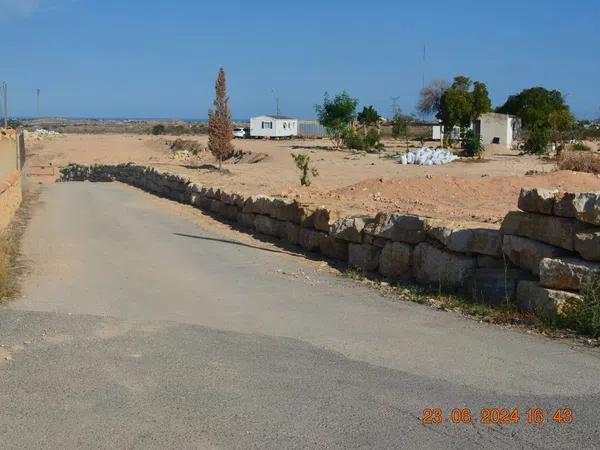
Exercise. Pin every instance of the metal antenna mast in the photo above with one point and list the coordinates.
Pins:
(276, 101)
(424, 65)
(38, 102)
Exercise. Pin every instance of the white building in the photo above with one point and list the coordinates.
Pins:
(493, 128)
(273, 127)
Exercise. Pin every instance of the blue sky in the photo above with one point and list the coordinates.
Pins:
(115, 58)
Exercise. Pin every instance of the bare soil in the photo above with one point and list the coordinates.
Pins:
(473, 190)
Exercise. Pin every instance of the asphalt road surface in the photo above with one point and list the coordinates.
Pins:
(140, 328)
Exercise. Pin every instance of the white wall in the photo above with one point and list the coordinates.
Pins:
(501, 126)
(281, 127)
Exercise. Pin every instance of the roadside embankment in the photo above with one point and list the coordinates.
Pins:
(10, 177)
(537, 259)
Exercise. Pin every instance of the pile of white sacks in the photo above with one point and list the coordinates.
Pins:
(43, 132)
(428, 157)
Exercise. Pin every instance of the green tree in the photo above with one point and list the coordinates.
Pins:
(534, 106)
(401, 126)
(336, 115)
(562, 125)
(537, 140)
(480, 99)
(368, 117)
(459, 105)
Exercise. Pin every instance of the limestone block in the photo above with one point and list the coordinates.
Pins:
(324, 218)
(349, 228)
(439, 267)
(564, 207)
(267, 225)
(527, 253)
(292, 233)
(531, 297)
(398, 227)
(247, 220)
(566, 273)
(466, 237)
(587, 207)
(539, 201)
(557, 231)
(258, 204)
(364, 257)
(334, 248)
(310, 239)
(587, 244)
(396, 259)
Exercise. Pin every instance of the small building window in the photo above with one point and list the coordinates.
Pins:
(267, 125)
(284, 125)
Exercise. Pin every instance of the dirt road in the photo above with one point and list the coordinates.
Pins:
(139, 328)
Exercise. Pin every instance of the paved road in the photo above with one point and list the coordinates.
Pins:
(138, 328)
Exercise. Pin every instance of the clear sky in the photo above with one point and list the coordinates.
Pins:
(116, 58)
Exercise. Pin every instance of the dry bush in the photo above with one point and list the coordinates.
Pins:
(579, 161)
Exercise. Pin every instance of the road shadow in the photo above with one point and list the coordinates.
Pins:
(228, 241)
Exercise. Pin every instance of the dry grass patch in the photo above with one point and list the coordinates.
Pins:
(8, 253)
(579, 161)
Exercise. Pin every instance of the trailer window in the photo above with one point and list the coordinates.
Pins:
(267, 125)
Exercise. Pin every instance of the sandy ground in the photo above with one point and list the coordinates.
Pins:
(483, 190)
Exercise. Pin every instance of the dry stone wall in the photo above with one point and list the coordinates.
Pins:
(538, 257)
(556, 237)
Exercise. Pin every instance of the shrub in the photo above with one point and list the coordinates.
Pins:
(585, 315)
(158, 129)
(303, 164)
(580, 147)
(579, 161)
(472, 144)
(370, 142)
(537, 141)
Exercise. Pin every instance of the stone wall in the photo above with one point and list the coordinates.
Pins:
(537, 257)
(556, 237)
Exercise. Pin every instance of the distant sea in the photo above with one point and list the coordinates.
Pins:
(129, 119)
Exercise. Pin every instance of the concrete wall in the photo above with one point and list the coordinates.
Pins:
(537, 258)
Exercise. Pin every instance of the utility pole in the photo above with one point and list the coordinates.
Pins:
(5, 103)
(38, 103)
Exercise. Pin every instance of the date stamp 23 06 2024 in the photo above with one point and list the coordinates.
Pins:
(497, 416)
